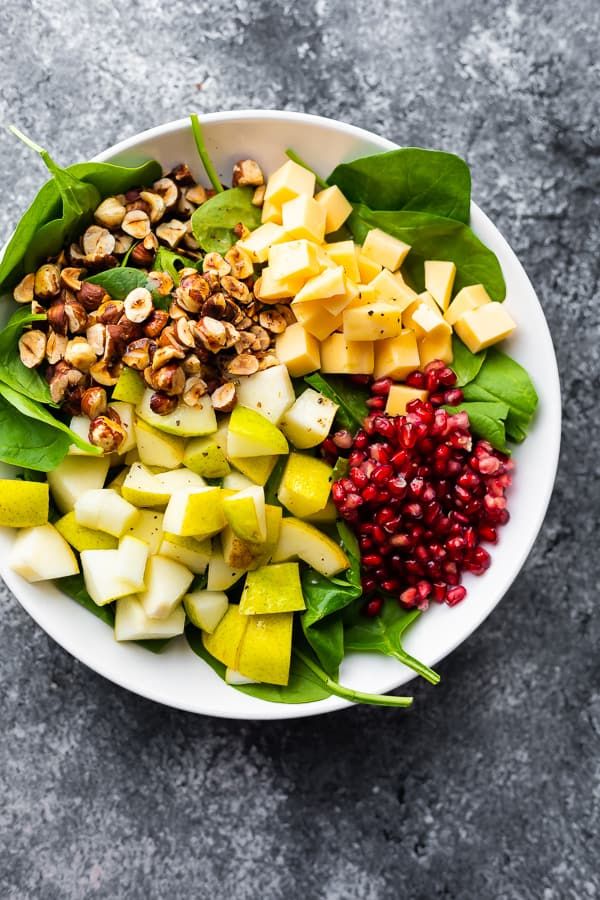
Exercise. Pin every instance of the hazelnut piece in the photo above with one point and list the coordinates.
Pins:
(89, 295)
(156, 205)
(224, 398)
(171, 232)
(247, 172)
(32, 348)
(195, 388)
(214, 262)
(56, 347)
(106, 434)
(79, 354)
(162, 404)
(47, 282)
(97, 242)
(140, 257)
(138, 305)
(110, 213)
(23, 292)
(170, 379)
(258, 197)
(168, 190)
(155, 323)
(93, 402)
(136, 223)
(240, 262)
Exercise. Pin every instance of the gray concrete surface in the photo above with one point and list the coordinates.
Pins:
(490, 788)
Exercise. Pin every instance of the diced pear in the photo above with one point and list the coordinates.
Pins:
(298, 350)
(145, 488)
(329, 283)
(373, 322)
(384, 249)
(188, 551)
(166, 583)
(131, 566)
(105, 510)
(184, 421)
(236, 678)
(251, 434)
(484, 326)
(103, 573)
(266, 648)
(195, 512)
(289, 181)
(273, 515)
(157, 448)
(148, 527)
(256, 468)
(269, 393)
(207, 455)
(299, 540)
(40, 553)
(303, 217)
(237, 481)
(126, 413)
(399, 396)
(315, 319)
(82, 538)
(325, 516)
(272, 589)
(79, 425)
(305, 485)
(308, 422)
(74, 476)
(439, 281)
(339, 355)
(23, 504)
(130, 387)
(471, 297)
(238, 553)
(132, 623)
(245, 513)
(220, 575)
(293, 259)
(337, 208)
(396, 357)
(225, 641)
(205, 609)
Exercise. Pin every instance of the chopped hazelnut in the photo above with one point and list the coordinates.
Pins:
(138, 305)
(157, 321)
(196, 194)
(240, 262)
(272, 321)
(214, 262)
(170, 379)
(56, 346)
(90, 295)
(105, 373)
(171, 232)
(168, 190)
(97, 242)
(109, 312)
(244, 364)
(62, 377)
(247, 172)
(195, 388)
(122, 244)
(32, 348)
(236, 289)
(191, 365)
(93, 402)
(156, 203)
(106, 434)
(162, 404)
(138, 354)
(96, 337)
(136, 223)
(224, 397)
(258, 197)
(76, 316)
(80, 354)
(184, 333)
(140, 257)
(23, 292)
(162, 281)
(164, 355)
(47, 282)
(110, 213)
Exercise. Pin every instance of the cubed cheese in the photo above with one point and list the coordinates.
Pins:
(468, 298)
(294, 259)
(427, 323)
(340, 356)
(373, 322)
(399, 396)
(397, 356)
(304, 218)
(298, 350)
(271, 212)
(484, 326)
(343, 253)
(316, 320)
(330, 283)
(436, 346)
(388, 288)
(336, 304)
(439, 281)
(268, 288)
(425, 298)
(337, 209)
(367, 268)
(288, 182)
(259, 241)
(384, 249)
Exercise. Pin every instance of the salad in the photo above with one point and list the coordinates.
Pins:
(273, 417)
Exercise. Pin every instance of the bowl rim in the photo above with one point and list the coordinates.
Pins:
(276, 711)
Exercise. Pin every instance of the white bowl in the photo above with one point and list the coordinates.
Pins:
(178, 677)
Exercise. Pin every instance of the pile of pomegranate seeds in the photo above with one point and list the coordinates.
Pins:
(420, 495)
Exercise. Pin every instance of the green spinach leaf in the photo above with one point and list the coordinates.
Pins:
(383, 634)
(273, 482)
(340, 470)
(487, 420)
(34, 445)
(503, 379)
(410, 178)
(214, 221)
(121, 280)
(465, 364)
(203, 154)
(40, 414)
(170, 262)
(350, 398)
(434, 237)
(12, 371)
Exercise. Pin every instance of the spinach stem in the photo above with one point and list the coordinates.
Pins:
(203, 154)
(26, 140)
(297, 159)
(348, 693)
(417, 666)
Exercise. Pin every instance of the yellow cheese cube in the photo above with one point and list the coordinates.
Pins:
(426, 322)
(337, 209)
(268, 288)
(316, 320)
(425, 298)
(373, 322)
(436, 346)
(258, 242)
(484, 326)
(298, 350)
(294, 259)
(469, 298)
(271, 212)
(339, 356)
(385, 249)
(289, 181)
(335, 305)
(329, 283)
(325, 260)
(389, 288)
(343, 253)
(439, 281)
(399, 396)
(367, 268)
(397, 356)
(304, 218)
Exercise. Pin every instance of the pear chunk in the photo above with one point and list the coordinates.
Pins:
(226, 640)
(105, 510)
(308, 422)
(148, 527)
(145, 488)
(23, 504)
(305, 485)
(256, 468)
(188, 551)
(266, 648)
(245, 512)
(40, 553)
(272, 589)
(269, 393)
(132, 623)
(111, 574)
(130, 387)
(195, 512)
(166, 583)
(205, 609)
(222, 576)
(156, 448)
(299, 540)
(82, 538)
(207, 455)
(251, 434)
(74, 476)
(184, 421)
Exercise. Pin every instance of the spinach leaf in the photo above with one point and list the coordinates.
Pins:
(74, 587)
(45, 206)
(465, 364)
(503, 379)
(34, 445)
(172, 263)
(120, 281)
(203, 154)
(434, 237)
(340, 470)
(40, 414)
(487, 420)
(350, 398)
(273, 482)
(214, 221)
(383, 634)
(12, 371)
(411, 178)
(111, 178)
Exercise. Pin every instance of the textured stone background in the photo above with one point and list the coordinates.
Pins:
(490, 789)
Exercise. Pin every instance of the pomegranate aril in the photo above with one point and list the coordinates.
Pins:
(337, 492)
(382, 474)
(455, 595)
(373, 607)
(439, 592)
(409, 597)
(446, 376)
(343, 439)
(488, 533)
(376, 403)
(390, 585)
(382, 386)
(423, 589)
(372, 560)
(368, 584)
(365, 543)
(370, 493)
(436, 398)
(416, 380)
(397, 486)
(361, 441)
(453, 397)
(432, 381)
(414, 510)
